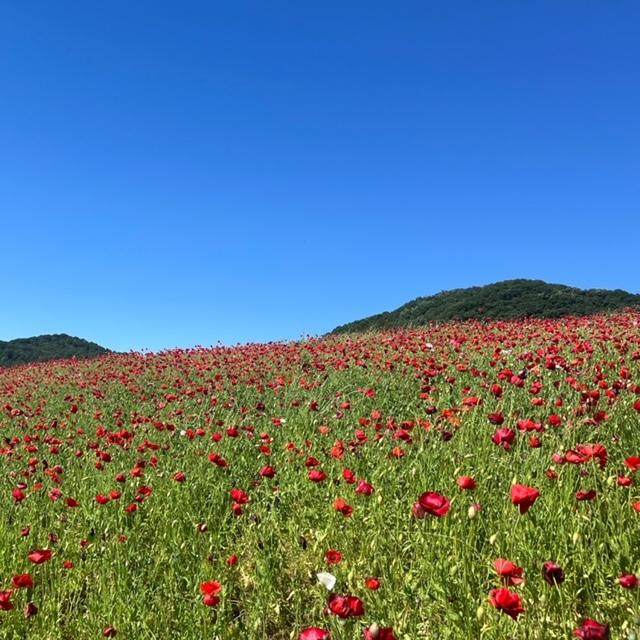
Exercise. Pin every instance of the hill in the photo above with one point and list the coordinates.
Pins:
(507, 300)
(47, 347)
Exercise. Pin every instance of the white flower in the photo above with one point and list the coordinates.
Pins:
(326, 579)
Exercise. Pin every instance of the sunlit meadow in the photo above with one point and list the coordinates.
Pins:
(463, 481)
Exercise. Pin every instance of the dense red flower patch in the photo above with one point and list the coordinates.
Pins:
(433, 472)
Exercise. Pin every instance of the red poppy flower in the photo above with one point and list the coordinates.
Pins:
(364, 488)
(5, 600)
(239, 496)
(341, 506)
(346, 606)
(583, 495)
(507, 601)
(628, 581)
(145, 491)
(524, 497)
(573, 457)
(466, 483)
(592, 630)
(314, 633)
(434, 503)
(109, 632)
(23, 581)
(349, 476)
(510, 573)
(210, 592)
(374, 632)
(593, 451)
(218, 460)
(504, 438)
(333, 557)
(268, 472)
(554, 420)
(397, 452)
(316, 475)
(552, 573)
(372, 583)
(633, 463)
(40, 555)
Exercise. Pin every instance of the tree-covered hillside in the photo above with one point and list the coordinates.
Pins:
(47, 347)
(505, 300)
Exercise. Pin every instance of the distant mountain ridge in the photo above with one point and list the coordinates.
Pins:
(47, 347)
(506, 300)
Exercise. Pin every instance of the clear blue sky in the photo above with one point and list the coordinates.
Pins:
(182, 173)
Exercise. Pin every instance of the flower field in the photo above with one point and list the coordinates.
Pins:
(466, 481)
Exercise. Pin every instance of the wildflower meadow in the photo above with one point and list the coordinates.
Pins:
(462, 481)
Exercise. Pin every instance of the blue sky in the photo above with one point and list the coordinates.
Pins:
(183, 173)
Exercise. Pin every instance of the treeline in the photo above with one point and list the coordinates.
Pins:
(47, 347)
(507, 300)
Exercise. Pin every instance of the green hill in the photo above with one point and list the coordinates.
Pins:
(507, 300)
(47, 347)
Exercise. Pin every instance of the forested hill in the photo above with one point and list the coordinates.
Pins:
(47, 347)
(507, 300)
